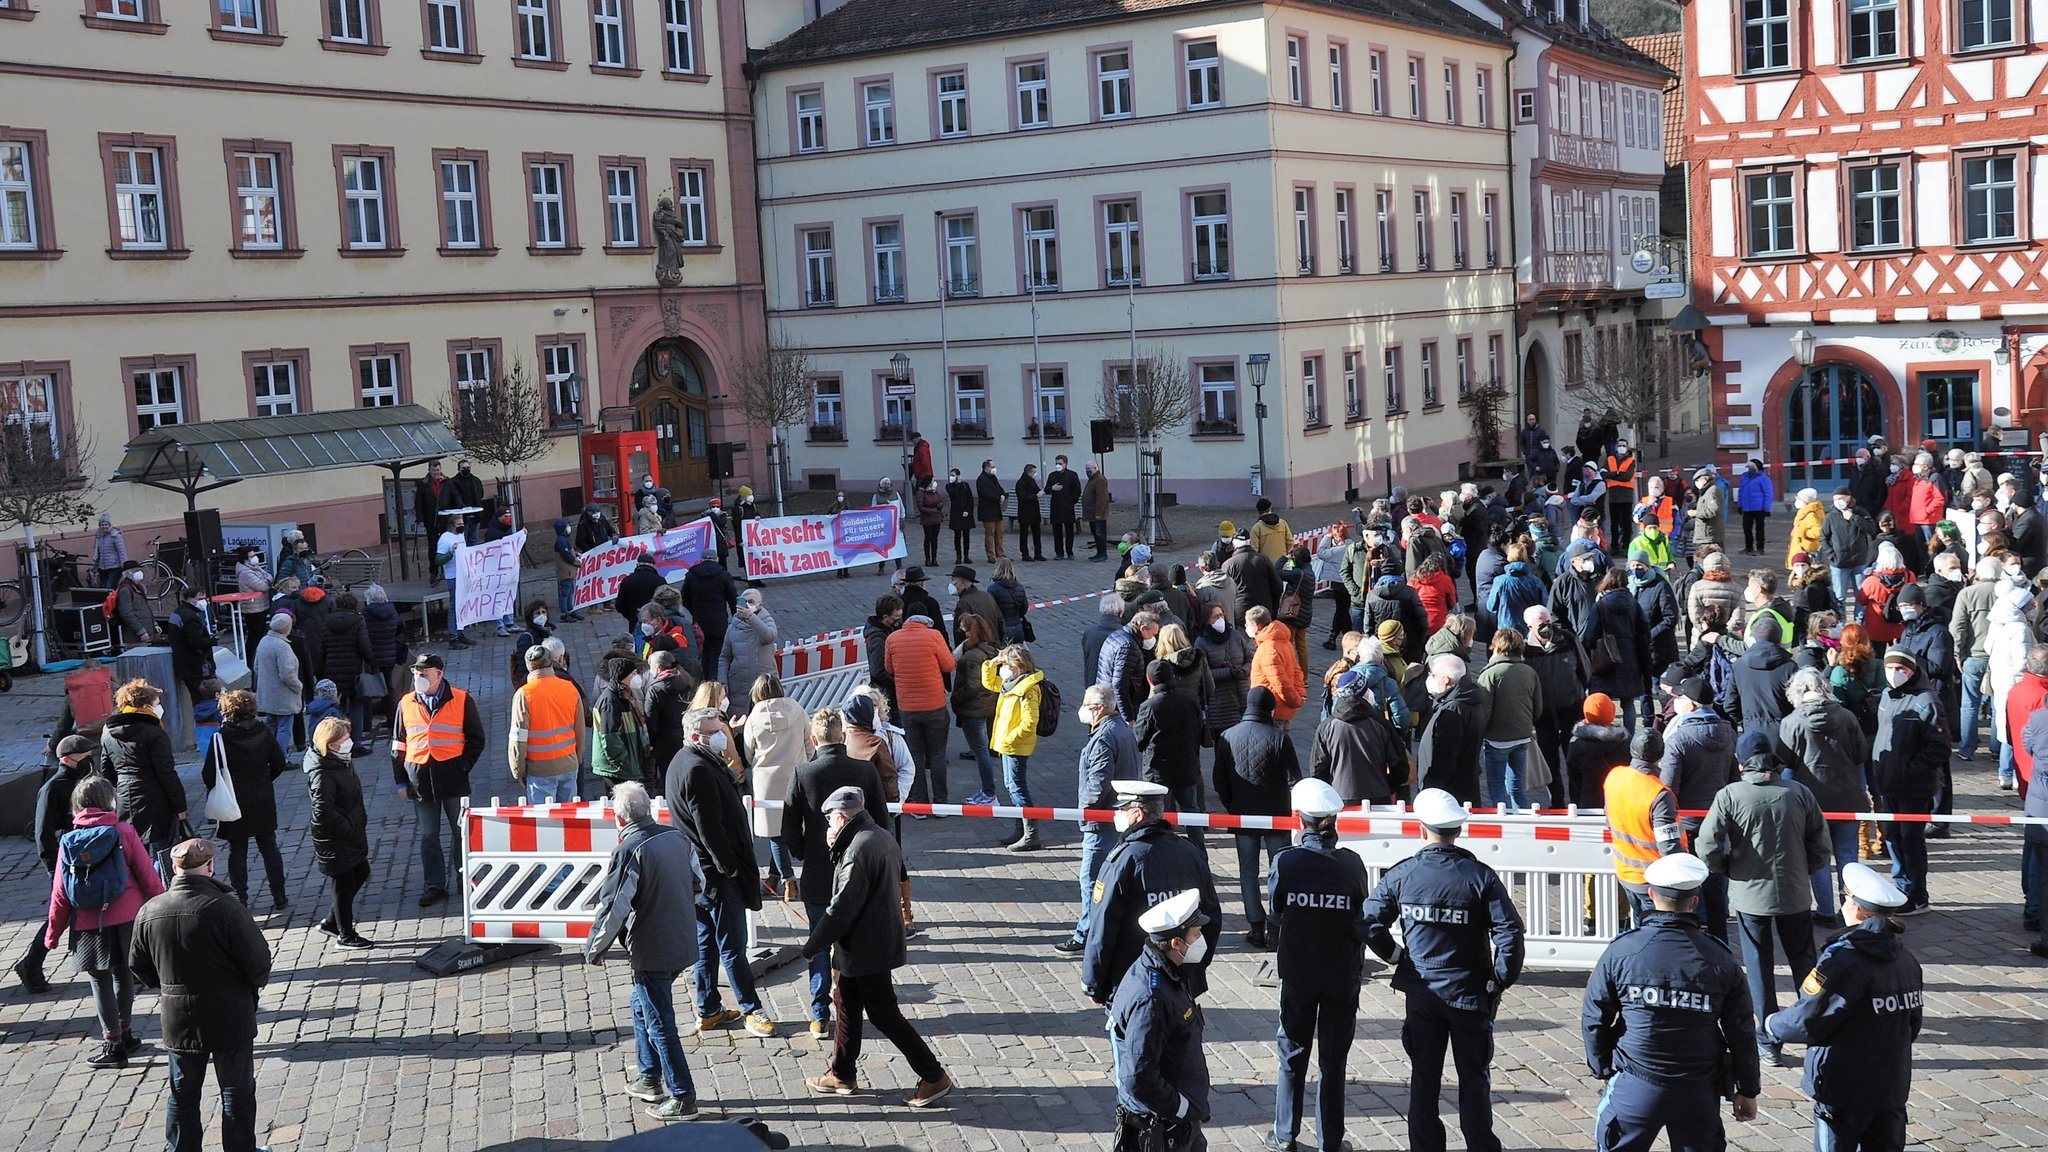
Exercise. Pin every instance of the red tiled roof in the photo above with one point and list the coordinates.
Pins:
(1668, 49)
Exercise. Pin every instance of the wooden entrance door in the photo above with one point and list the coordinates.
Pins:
(669, 398)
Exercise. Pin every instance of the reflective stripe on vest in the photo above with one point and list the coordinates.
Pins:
(435, 737)
(551, 707)
(1629, 796)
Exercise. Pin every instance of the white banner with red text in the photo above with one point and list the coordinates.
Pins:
(795, 545)
(674, 551)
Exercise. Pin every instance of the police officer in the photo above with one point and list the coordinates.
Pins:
(1668, 1025)
(1318, 895)
(1859, 1015)
(1151, 863)
(1452, 908)
(1162, 1079)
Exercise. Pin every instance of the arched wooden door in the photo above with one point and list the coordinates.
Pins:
(1828, 415)
(670, 398)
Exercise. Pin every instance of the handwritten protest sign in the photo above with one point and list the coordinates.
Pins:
(674, 551)
(792, 545)
(487, 580)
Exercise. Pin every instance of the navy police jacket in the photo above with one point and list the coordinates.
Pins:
(1461, 935)
(1668, 1004)
(1151, 863)
(1318, 893)
(1157, 1029)
(1858, 1016)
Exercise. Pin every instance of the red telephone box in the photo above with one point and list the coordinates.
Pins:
(614, 464)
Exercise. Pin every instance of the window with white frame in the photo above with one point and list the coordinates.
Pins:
(1425, 240)
(1482, 97)
(828, 409)
(1311, 391)
(970, 406)
(898, 414)
(1204, 74)
(878, 111)
(348, 21)
(1304, 232)
(692, 206)
(1209, 215)
(362, 190)
(963, 257)
(1297, 85)
(1772, 204)
(119, 9)
(951, 88)
(820, 276)
(1414, 88)
(377, 378)
(1990, 198)
(1390, 377)
(1430, 396)
(473, 371)
(139, 198)
(1376, 82)
(1464, 367)
(1120, 242)
(1460, 244)
(461, 223)
(259, 201)
(1049, 392)
(1346, 241)
(810, 121)
(608, 22)
(622, 206)
(17, 196)
(534, 29)
(159, 397)
(1986, 24)
(1451, 94)
(1113, 84)
(1219, 399)
(1766, 35)
(1354, 396)
(1340, 78)
(1628, 120)
(446, 29)
(550, 214)
(678, 37)
(1596, 228)
(277, 388)
(885, 248)
(1876, 199)
(564, 387)
(1496, 354)
(1873, 29)
(28, 411)
(241, 16)
(1383, 228)
(1041, 250)
(1034, 95)
(1489, 212)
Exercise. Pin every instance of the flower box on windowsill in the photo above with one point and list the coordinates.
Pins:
(889, 432)
(1052, 431)
(963, 430)
(826, 434)
(1216, 428)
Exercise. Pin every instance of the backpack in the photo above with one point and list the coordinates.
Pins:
(94, 868)
(1049, 707)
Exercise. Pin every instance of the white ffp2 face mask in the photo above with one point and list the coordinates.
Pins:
(1197, 951)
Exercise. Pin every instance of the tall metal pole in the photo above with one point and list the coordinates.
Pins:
(1257, 364)
(1131, 273)
(945, 290)
(1037, 386)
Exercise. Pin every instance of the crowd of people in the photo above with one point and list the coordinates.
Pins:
(1536, 642)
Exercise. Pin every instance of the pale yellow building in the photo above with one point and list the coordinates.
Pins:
(1315, 182)
(269, 206)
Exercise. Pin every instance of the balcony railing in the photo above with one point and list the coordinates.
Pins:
(827, 434)
(1344, 265)
(1132, 277)
(894, 431)
(889, 292)
(1304, 266)
(1210, 269)
(963, 288)
(1054, 430)
(820, 300)
(1354, 411)
(1576, 269)
(1312, 416)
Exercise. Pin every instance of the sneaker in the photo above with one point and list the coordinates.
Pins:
(1966, 756)
(354, 942)
(1917, 908)
(2039, 949)
(2007, 785)
(110, 1055)
(758, 1024)
(504, 631)
(723, 1018)
(1770, 1055)
(675, 1108)
(646, 1088)
(980, 798)
(1272, 1143)
(928, 1091)
(1071, 946)
(821, 1027)
(328, 927)
(919, 816)
(279, 904)
(830, 1085)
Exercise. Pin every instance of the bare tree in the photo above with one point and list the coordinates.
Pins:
(774, 389)
(504, 422)
(1628, 377)
(1152, 399)
(1487, 407)
(44, 480)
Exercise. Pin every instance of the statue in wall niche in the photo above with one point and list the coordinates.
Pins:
(668, 241)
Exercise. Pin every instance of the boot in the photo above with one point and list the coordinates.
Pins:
(1027, 841)
(909, 921)
(1015, 834)
(1871, 836)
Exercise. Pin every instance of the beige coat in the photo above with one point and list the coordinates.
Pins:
(777, 736)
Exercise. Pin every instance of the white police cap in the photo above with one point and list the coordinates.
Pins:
(1315, 799)
(1172, 915)
(1439, 809)
(1871, 888)
(1678, 872)
(1129, 790)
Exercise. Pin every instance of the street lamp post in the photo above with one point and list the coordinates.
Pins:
(1257, 364)
(899, 380)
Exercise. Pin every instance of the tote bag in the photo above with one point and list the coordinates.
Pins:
(221, 804)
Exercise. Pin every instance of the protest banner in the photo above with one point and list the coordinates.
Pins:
(792, 545)
(487, 580)
(674, 551)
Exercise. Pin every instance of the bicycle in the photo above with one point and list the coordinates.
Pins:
(59, 571)
(161, 584)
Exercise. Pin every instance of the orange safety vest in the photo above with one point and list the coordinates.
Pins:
(435, 737)
(1629, 796)
(1667, 514)
(1621, 473)
(552, 705)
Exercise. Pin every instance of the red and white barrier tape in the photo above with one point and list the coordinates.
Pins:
(841, 634)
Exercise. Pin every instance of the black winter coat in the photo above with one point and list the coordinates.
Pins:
(1256, 764)
(1617, 614)
(201, 947)
(1660, 610)
(863, 922)
(1757, 693)
(710, 593)
(1357, 752)
(191, 642)
(1027, 490)
(988, 499)
(1594, 749)
(1398, 602)
(383, 625)
(1447, 755)
(254, 760)
(1255, 581)
(345, 650)
(135, 753)
(959, 506)
(803, 818)
(667, 703)
(636, 590)
(1169, 735)
(705, 803)
(339, 826)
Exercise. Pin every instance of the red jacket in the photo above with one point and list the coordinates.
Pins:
(143, 883)
(1898, 499)
(917, 657)
(2020, 701)
(1928, 507)
(1438, 596)
(1875, 594)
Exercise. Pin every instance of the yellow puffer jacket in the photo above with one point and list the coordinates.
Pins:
(1806, 526)
(1016, 728)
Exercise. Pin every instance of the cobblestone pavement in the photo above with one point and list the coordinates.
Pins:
(365, 1051)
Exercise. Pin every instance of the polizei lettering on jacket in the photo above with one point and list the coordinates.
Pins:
(1432, 914)
(1654, 997)
(1334, 901)
(1896, 1002)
